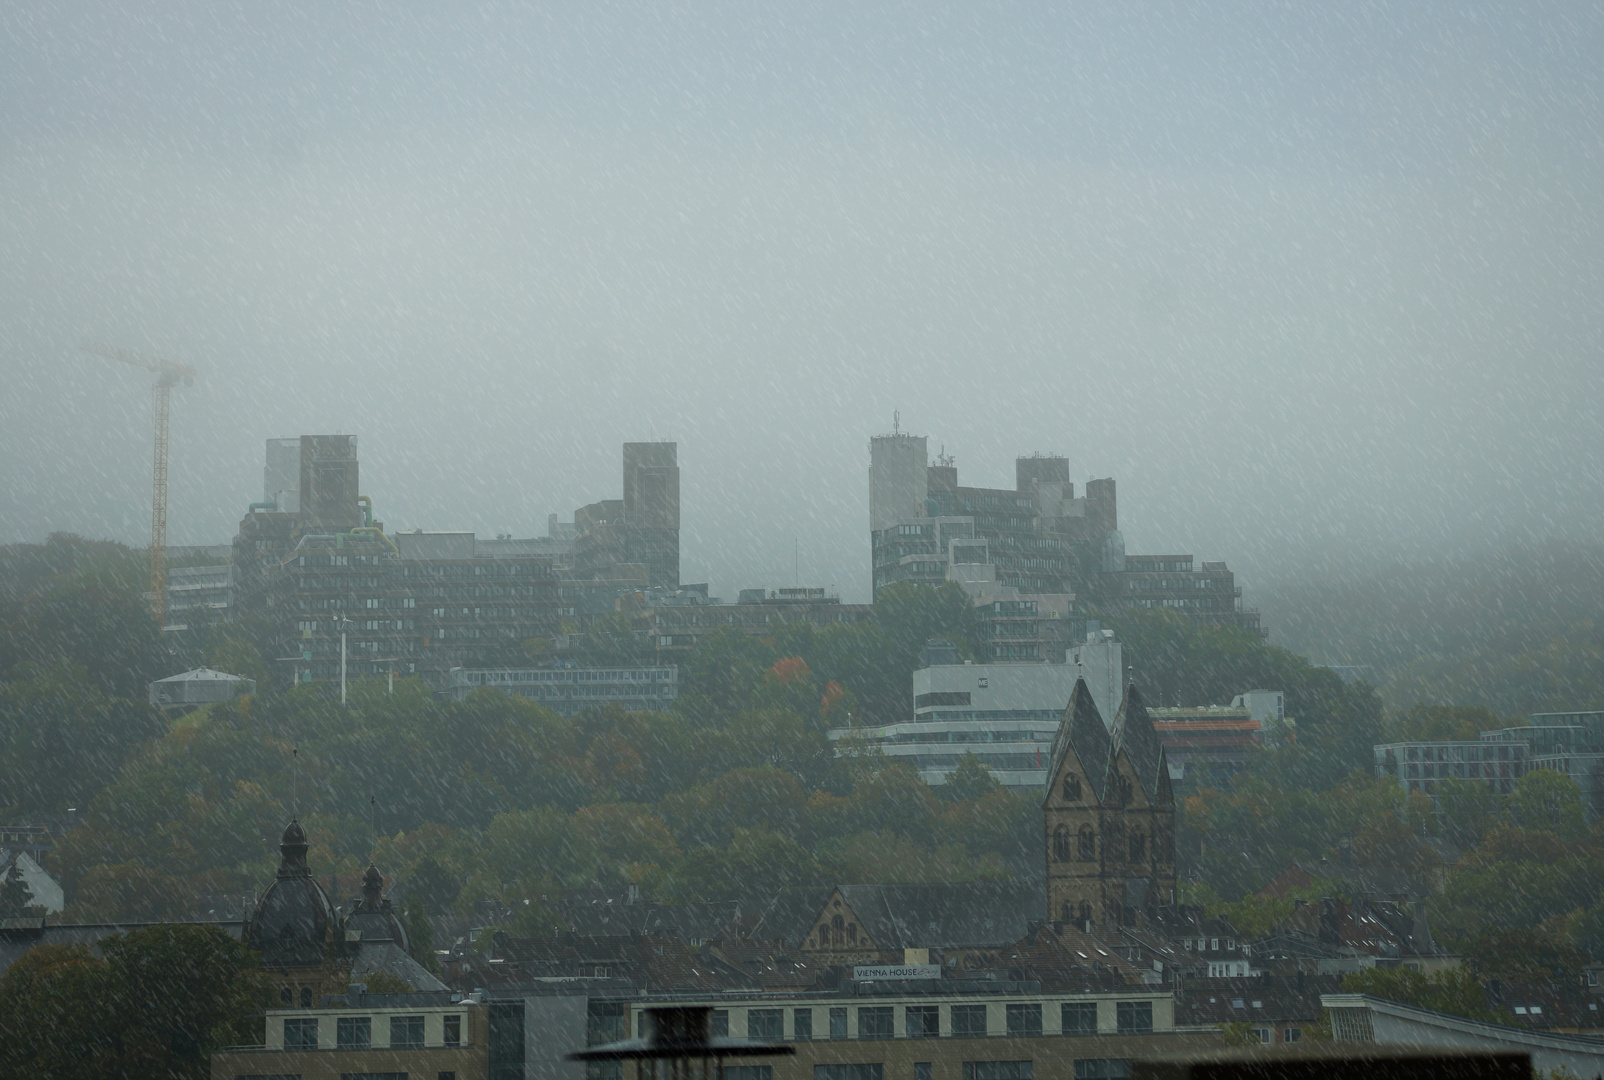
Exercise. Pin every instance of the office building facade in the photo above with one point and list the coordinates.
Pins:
(1006, 714)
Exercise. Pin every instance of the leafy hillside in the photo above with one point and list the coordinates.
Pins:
(1514, 631)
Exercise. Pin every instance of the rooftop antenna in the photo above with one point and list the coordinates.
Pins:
(373, 823)
(295, 782)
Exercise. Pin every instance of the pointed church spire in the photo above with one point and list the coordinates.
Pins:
(1135, 736)
(1082, 731)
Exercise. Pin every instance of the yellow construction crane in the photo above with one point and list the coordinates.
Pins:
(168, 375)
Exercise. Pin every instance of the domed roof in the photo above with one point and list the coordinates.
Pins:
(372, 918)
(293, 922)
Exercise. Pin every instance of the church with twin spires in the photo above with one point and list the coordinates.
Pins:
(1109, 816)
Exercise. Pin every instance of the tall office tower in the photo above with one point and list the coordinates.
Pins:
(898, 479)
(651, 510)
(329, 481)
(281, 478)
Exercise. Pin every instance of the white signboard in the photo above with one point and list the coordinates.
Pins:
(866, 973)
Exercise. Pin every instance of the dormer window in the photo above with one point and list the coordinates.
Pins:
(1072, 787)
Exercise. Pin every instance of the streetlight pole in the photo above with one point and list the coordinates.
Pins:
(344, 621)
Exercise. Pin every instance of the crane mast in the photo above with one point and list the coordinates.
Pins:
(168, 375)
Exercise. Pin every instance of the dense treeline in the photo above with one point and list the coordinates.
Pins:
(734, 792)
(1514, 630)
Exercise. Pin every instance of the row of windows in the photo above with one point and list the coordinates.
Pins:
(1084, 846)
(1085, 1069)
(562, 676)
(356, 1032)
(1022, 1020)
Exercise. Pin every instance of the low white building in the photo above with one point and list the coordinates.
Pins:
(1004, 714)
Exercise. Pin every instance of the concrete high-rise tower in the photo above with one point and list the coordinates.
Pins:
(898, 479)
(651, 510)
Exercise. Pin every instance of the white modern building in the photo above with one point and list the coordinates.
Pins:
(1004, 714)
(1101, 662)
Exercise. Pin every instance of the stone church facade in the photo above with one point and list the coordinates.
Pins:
(1109, 816)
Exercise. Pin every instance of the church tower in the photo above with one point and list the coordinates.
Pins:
(1109, 816)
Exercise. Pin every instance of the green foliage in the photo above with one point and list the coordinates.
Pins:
(1453, 990)
(1514, 630)
(970, 780)
(1547, 801)
(63, 738)
(1443, 723)
(1239, 1034)
(79, 603)
(420, 935)
(1183, 661)
(15, 896)
(158, 1004)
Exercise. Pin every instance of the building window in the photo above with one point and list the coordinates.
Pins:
(878, 1022)
(767, 1025)
(968, 1020)
(802, 1024)
(406, 1032)
(1292, 1034)
(353, 1033)
(1266, 1035)
(924, 1070)
(721, 1023)
(1079, 1018)
(1024, 1020)
(869, 1070)
(1088, 844)
(922, 1021)
(838, 1023)
(997, 1070)
(452, 1031)
(300, 1033)
(1061, 844)
(1072, 787)
(1102, 1069)
(286, 996)
(604, 1022)
(306, 997)
(1138, 847)
(748, 1072)
(1134, 1017)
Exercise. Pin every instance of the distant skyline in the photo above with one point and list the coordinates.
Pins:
(1306, 282)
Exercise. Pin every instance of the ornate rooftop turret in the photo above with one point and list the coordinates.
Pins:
(293, 923)
(372, 917)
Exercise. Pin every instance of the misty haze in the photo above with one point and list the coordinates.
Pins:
(1066, 530)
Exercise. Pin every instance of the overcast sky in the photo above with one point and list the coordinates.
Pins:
(1305, 279)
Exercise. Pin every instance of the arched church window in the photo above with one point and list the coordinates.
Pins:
(1138, 847)
(852, 933)
(1123, 791)
(1072, 787)
(306, 997)
(1066, 912)
(286, 996)
(1061, 844)
(838, 930)
(1088, 844)
(1085, 911)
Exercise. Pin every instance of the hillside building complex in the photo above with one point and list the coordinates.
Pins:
(311, 560)
(1037, 540)
(1569, 743)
